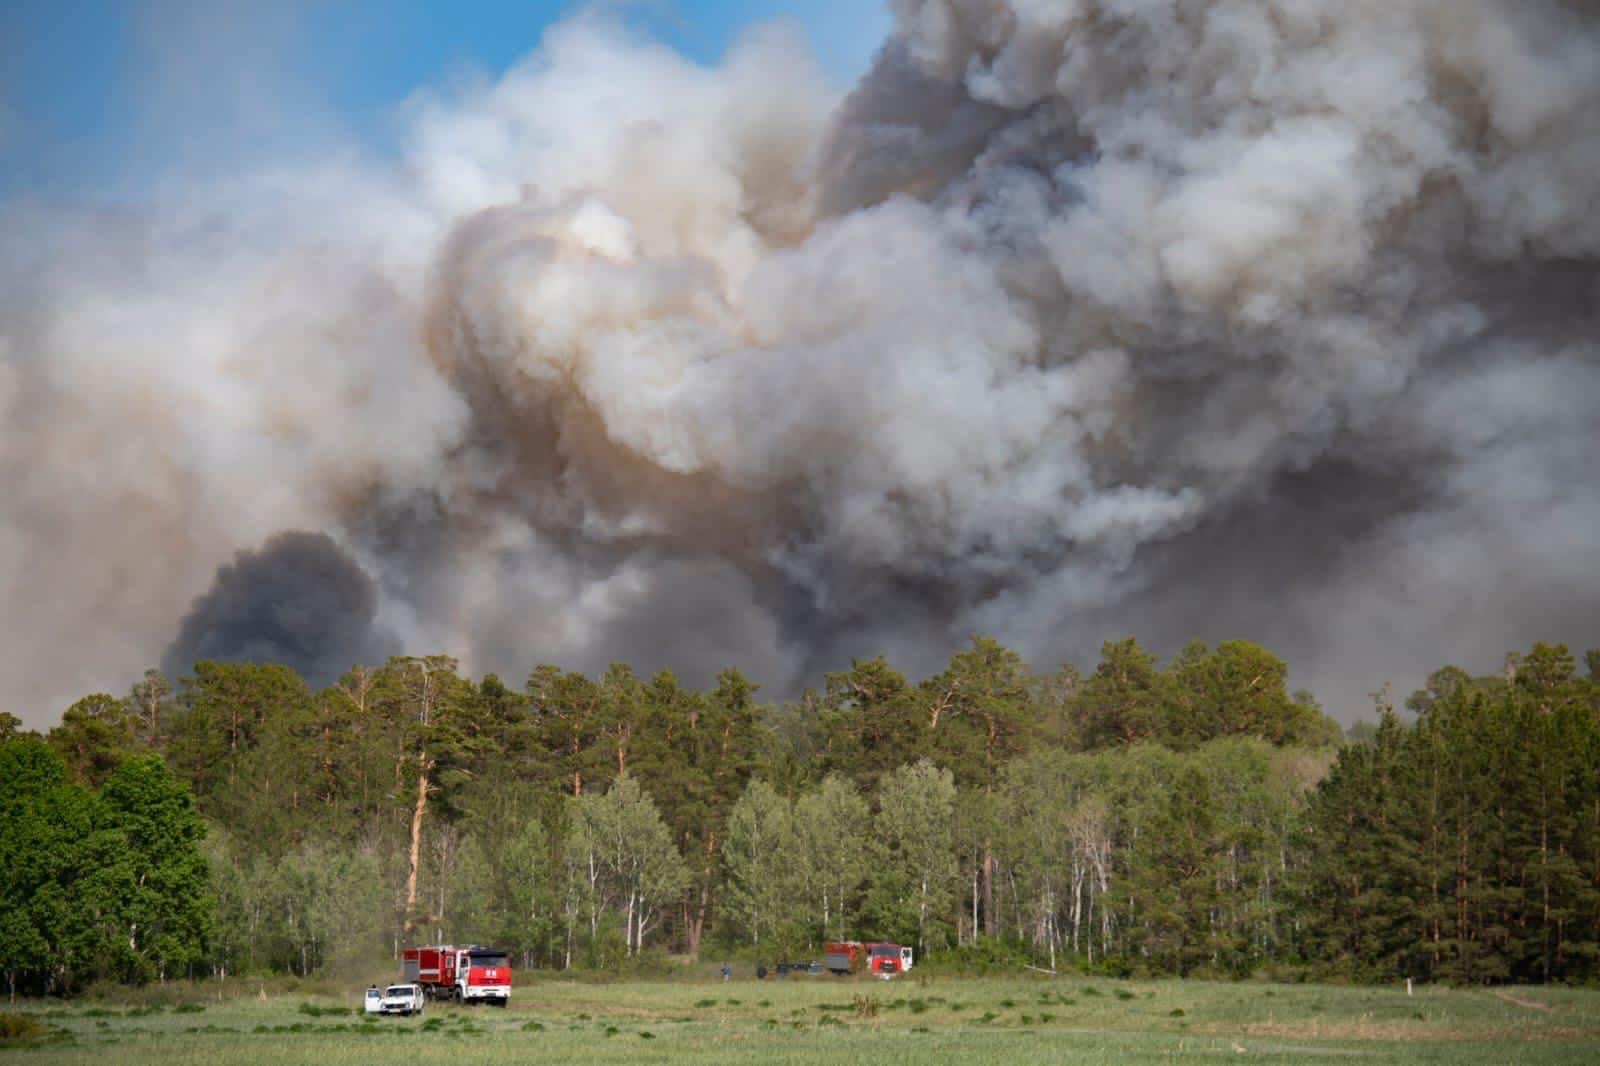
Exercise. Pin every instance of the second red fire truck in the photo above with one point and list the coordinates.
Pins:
(878, 958)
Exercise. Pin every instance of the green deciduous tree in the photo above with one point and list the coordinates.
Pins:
(325, 908)
(761, 858)
(630, 864)
(166, 914)
(508, 878)
(913, 873)
(832, 826)
(97, 885)
(33, 859)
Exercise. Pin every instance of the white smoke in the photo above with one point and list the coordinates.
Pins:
(1262, 318)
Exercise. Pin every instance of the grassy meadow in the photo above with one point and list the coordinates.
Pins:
(822, 1020)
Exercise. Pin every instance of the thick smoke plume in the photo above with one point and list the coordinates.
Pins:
(1262, 318)
(299, 601)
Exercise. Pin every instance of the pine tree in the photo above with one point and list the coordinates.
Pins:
(1124, 700)
(94, 736)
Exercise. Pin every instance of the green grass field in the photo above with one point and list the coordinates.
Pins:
(826, 1020)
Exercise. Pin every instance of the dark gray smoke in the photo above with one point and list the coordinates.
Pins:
(1272, 319)
(299, 601)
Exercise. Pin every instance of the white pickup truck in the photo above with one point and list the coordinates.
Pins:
(401, 999)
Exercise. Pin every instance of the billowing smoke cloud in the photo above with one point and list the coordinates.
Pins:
(1263, 318)
(299, 601)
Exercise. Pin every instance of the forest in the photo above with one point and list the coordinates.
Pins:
(1190, 818)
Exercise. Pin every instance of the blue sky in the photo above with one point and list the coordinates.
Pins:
(100, 97)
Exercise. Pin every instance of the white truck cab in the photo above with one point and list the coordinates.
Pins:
(401, 999)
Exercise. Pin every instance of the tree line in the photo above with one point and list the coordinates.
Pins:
(1193, 817)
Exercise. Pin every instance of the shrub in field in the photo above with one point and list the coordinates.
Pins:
(1117, 966)
(20, 1027)
(983, 956)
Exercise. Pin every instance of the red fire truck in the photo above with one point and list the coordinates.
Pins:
(878, 958)
(465, 973)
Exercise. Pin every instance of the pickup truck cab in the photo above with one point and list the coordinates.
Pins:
(401, 999)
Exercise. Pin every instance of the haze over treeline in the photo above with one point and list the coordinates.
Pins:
(1191, 818)
(1214, 317)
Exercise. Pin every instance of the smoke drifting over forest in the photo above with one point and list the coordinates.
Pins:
(1265, 318)
(300, 601)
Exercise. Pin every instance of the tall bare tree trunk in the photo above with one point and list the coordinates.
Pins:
(697, 923)
(423, 766)
(991, 920)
